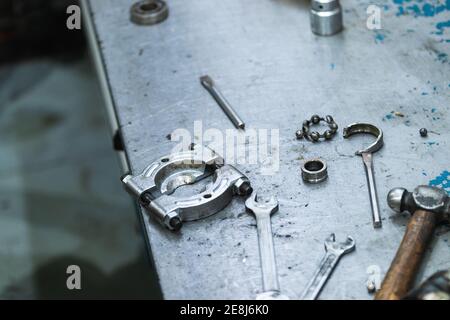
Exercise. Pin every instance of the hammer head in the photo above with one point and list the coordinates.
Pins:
(426, 198)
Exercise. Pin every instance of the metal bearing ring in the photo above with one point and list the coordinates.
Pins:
(314, 171)
(148, 12)
(315, 136)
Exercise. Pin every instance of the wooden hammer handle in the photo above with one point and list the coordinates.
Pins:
(401, 275)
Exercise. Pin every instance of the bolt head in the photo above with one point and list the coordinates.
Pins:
(173, 221)
(299, 134)
(176, 223)
(243, 187)
(394, 199)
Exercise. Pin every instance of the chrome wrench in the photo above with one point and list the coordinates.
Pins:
(333, 252)
(262, 210)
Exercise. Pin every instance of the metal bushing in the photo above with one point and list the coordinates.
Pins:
(149, 12)
(326, 17)
(314, 171)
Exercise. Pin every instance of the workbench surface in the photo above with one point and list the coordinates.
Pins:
(276, 73)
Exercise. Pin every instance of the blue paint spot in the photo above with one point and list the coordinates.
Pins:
(420, 9)
(441, 181)
(400, 12)
(442, 57)
(389, 116)
(428, 10)
(440, 26)
(425, 8)
(379, 37)
(433, 110)
(424, 173)
(415, 9)
(332, 66)
(424, 93)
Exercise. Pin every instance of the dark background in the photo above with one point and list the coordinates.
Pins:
(61, 201)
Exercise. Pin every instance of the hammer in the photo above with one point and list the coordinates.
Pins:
(429, 207)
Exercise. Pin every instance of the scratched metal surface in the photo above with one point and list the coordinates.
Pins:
(276, 73)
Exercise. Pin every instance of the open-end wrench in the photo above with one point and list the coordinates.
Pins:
(366, 155)
(334, 251)
(262, 210)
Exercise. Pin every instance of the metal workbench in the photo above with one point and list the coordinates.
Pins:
(276, 73)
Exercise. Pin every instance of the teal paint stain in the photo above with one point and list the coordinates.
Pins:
(442, 57)
(421, 8)
(441, 181)
(427, 9)
(440, 26)
(414, 9)
(332, 66)
(424, 93)
(433, 110)
(379, 37)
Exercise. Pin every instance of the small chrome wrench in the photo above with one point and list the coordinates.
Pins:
(334, 251)
(262, 210)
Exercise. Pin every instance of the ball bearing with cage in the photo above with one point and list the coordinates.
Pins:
(315, 136)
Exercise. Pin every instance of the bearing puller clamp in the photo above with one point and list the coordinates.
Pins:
(154, 186)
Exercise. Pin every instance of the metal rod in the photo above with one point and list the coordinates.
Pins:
(208, 83)
(368, 164)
